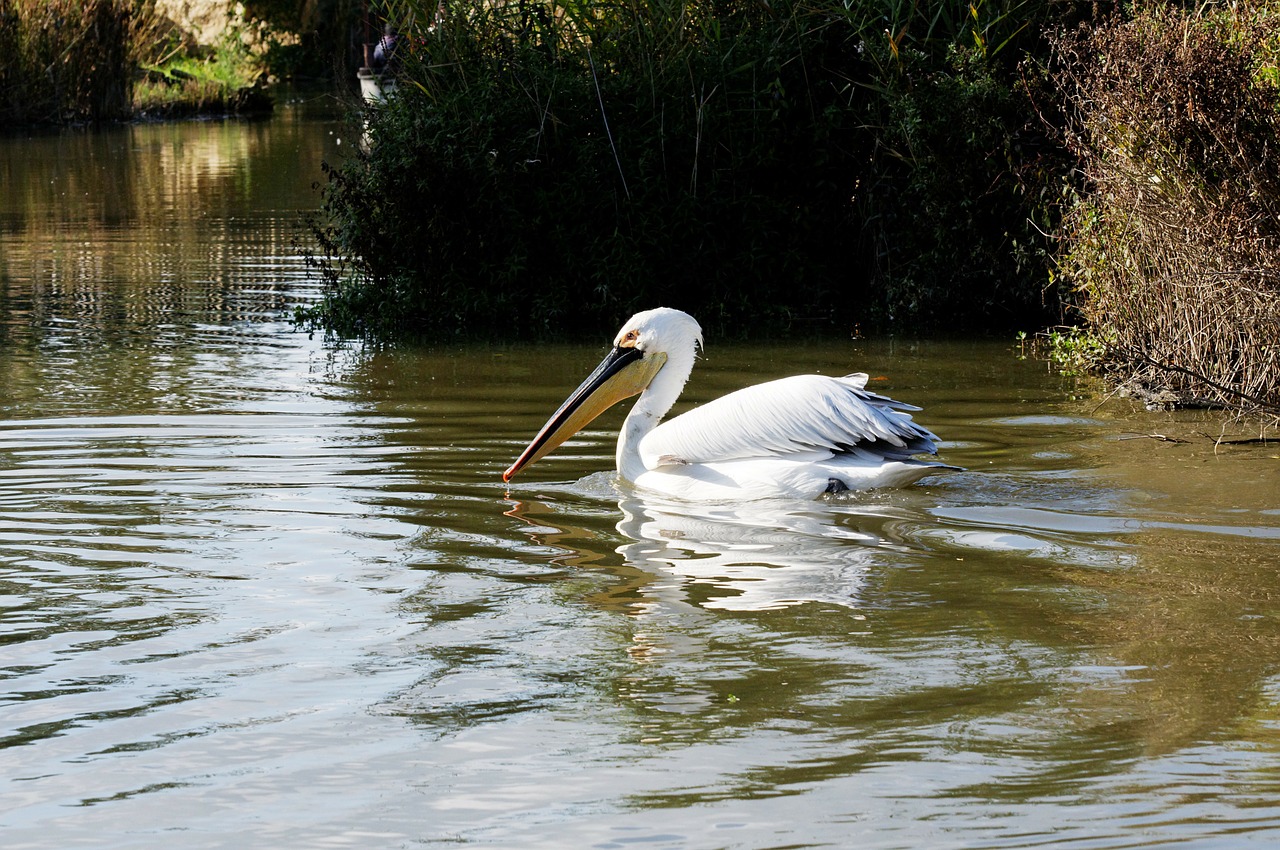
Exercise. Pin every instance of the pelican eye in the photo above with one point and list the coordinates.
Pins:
(629, 339)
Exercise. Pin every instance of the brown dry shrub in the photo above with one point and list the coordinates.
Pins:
(66, 60)
(1174, 245)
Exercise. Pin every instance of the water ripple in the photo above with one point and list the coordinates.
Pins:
(257, 590)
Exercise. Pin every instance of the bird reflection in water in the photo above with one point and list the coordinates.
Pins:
(751, 556)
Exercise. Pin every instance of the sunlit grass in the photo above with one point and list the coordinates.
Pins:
(187, 83)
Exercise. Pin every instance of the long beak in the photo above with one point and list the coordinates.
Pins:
(623, 373)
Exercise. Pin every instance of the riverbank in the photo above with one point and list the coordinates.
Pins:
(85, 61)
(762, 167)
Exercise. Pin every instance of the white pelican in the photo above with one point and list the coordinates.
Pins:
(795, 437)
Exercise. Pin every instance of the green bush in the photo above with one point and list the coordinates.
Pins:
(549, 166)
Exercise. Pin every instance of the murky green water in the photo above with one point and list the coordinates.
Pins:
(259, 591)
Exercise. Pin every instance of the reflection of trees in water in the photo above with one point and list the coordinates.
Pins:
(128, 287)
(1194, 628)
(135, 260)
(878, 637)
(122, 230)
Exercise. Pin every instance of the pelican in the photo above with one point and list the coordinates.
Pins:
(797, 437)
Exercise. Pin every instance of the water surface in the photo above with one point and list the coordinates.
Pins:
(260, 590)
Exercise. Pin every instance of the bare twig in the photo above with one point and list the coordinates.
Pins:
(1252, 399)
(607, 131)
(1161, 437)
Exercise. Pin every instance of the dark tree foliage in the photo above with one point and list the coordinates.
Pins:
(757, 165)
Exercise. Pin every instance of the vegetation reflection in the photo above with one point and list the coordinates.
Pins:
(804, 620)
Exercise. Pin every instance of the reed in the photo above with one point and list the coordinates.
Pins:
(65, 60)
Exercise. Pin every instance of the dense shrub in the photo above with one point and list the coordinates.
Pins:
(960, 214)
(548, 166)
(1174, 246)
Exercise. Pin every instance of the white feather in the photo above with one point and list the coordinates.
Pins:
(803, 414)
(795, 437)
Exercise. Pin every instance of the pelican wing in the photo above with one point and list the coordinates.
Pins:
(805, 414)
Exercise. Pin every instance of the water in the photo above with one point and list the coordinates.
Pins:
(259, 590)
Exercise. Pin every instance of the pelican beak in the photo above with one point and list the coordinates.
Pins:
(623, 373)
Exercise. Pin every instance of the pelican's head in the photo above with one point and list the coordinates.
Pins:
(640, 351)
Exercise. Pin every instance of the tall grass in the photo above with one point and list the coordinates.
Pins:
(65, 60)
(1174, 246)
(555, 164)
